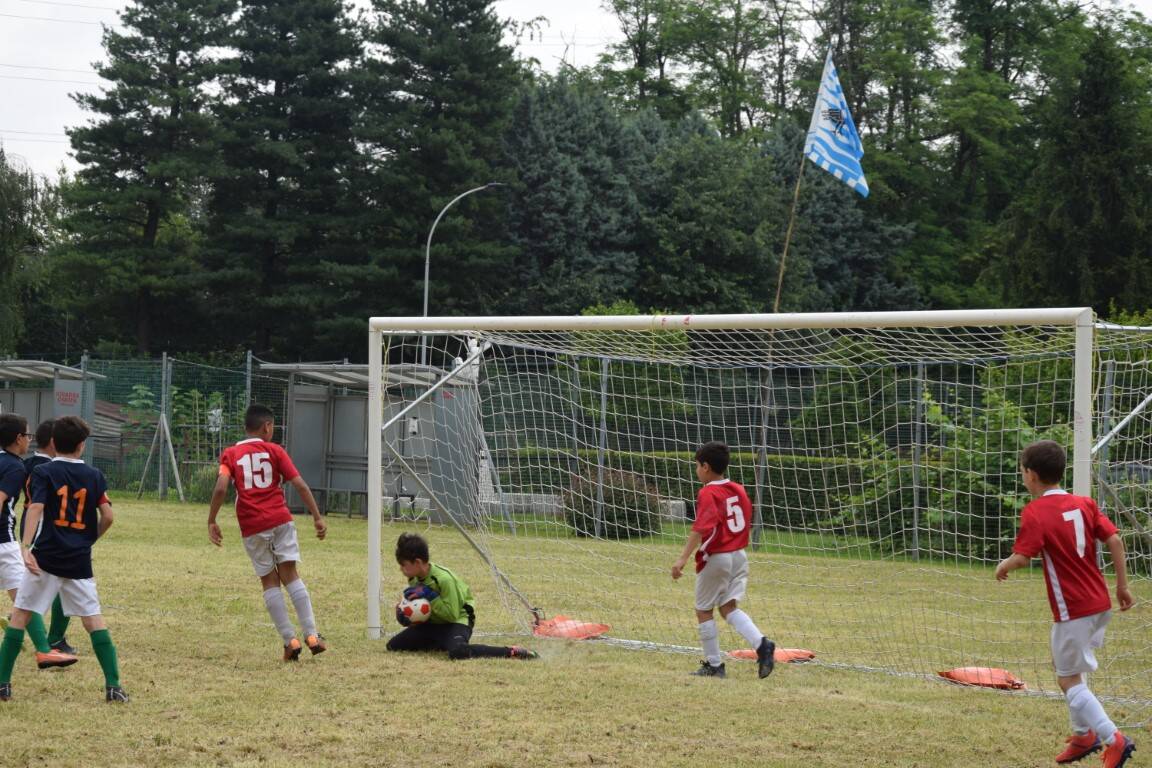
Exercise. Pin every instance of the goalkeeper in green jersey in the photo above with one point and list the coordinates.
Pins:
(453, 609)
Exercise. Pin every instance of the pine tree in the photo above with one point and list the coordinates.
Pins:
(144, 160)
(284, 252)
(443, 88)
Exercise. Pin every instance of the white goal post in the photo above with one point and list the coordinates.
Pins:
(870, 443)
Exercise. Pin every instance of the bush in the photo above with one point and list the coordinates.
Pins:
(631, 508)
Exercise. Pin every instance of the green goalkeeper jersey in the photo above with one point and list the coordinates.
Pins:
(454, 595)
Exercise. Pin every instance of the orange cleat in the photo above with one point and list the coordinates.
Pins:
(1080, 745)
(1118, 752)
(54, 658)
(292, 650)
(316, 644)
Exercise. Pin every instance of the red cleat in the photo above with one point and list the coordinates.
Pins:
(316, 644)
(54, 658)
(1118, 752)
(1080, 745)
(292, 650)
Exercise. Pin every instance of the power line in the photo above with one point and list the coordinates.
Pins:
(58, 21)
(51, 69)
(49, 80)
(70, 5)
(33, 133)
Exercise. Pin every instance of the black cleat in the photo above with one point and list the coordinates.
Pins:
(707, 670)
(518, 652)
(114, 694)
(5, 691)
(62, 646)
(765, 657)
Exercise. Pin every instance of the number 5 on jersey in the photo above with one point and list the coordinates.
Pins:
(735, 517)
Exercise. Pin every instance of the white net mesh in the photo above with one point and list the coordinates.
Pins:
(882, 465)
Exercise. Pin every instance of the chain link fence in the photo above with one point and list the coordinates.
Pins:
(160, 425)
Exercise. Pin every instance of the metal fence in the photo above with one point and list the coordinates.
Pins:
(160, 425)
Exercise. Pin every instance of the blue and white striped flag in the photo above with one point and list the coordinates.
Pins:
(833, 143)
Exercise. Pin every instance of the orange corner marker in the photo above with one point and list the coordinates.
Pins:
(562, 626)
(988, 677)
(782, 655)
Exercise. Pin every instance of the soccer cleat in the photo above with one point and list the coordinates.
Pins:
(519, 652)
(292, 650)
(316, 644)
(707, 670)
(114, 694)
(54, 658)
(5, 691)
(1118, 752)
(62, 646)
(1080, 745)
(765, 657)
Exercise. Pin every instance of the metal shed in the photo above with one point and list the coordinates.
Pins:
(327, 437)
(39, 390)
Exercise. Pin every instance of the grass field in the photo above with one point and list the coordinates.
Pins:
(201, 660)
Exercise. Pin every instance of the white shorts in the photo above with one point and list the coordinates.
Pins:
(77, 596)
(724, 578)
(11, 565)
(1074, 643)
(269, 548)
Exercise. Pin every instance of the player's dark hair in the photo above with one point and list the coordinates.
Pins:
(44, 433)
(12, 425)
(1047, 459)
(257, 416)
(68, 432)
(715, 454)
(411, 547)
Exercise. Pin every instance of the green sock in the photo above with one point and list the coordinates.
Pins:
(37, 634)
(9, 650)
(106, 655)
(59, 625)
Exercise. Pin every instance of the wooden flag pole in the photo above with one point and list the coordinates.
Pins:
(788, 235)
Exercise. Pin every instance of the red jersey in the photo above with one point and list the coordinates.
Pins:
(1064, 529)
(257, 470)
(723, 515)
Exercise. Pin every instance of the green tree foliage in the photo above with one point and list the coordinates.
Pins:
(442, 88)
(573, 214)
(27, 207)
(1079, 233)
(144, 160)
(283, 220)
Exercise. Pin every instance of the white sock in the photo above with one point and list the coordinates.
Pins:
(303, 604)
(1086, 708)
(742, 623)
(710, 639)
(278, 610)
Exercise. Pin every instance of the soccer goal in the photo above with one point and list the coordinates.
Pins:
(879, 450)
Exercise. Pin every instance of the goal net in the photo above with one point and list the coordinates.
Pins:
(879, 451)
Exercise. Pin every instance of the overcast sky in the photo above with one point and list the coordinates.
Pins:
(47, 48)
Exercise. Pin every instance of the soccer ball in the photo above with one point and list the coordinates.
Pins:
(416, 611)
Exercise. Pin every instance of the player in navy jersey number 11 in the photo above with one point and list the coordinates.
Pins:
(69, 512)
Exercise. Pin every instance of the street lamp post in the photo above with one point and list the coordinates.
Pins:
(428, 256)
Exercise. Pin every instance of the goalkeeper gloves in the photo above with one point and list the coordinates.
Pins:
(421, 591)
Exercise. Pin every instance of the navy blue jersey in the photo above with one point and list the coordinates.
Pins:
(71, 492)
(30, 464)
(12, 476)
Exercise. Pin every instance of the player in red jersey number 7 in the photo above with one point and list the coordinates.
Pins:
(258, 467)
(1063, 529)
